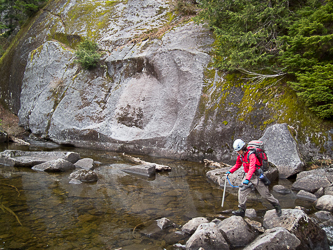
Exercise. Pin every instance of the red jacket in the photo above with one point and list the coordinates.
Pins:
(249, 167)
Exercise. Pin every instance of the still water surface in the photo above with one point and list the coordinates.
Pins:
(113, 213)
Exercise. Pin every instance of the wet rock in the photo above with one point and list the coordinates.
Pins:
(85, 163)
(161, 228)
(276, 238)
(176, 237)
(193, 224)
(153, 231)
(18, 158)
(59, 165)
(311, 183)
(323, 216)
(237, 232)
(83, 175)
(306, 196)
(207, 236)
(281, 150)
(164, 223)
(281, 189)
(325, 203)
(145, 170)
(302, 226)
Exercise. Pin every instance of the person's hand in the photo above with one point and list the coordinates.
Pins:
(246, 182)
(227, 173)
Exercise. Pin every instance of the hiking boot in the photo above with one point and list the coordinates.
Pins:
(278, 209)
(239, 212)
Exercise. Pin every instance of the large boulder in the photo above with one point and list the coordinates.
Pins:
(302, 226)
(207, 236)
(217, 176)
(237, 232)
(277, 238)
(281, 150)
(311, 183)
(154, 91)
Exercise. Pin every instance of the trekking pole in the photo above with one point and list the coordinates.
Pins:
(225, 184)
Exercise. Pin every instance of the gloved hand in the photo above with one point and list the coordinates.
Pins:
(227, 173)
(246, 182)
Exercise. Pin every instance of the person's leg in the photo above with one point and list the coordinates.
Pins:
(264, 192)
(242, 198)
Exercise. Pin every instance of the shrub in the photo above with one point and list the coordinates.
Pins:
(87, 54)
(186, 7)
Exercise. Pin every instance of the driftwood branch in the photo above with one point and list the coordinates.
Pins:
(158, 167)
(257, 78)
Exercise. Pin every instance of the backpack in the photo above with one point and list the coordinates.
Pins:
(257, 148)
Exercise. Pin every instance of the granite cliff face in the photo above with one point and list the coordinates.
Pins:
(154, 91)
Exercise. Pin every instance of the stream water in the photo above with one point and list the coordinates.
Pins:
(117, 212)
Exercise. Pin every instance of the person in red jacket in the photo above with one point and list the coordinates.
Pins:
(250, 179)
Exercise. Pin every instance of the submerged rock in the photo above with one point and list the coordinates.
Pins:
(281, 189)
(145, 170)
(18, 158)
(83, 176)
(59, 165)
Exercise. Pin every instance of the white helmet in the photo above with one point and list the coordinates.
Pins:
(238, 144)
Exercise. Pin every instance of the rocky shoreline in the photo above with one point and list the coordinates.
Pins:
(295, 229)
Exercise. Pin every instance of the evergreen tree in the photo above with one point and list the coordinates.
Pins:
(308, 53)
(294, 37)
(15, 12)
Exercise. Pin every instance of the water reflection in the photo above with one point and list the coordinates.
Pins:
(111, 213)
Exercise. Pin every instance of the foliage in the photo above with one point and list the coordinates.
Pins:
(308, 53)
(87, 54)
(315, 87)
(277, 37)
(246, 31)
(186, 7)
(15, 12)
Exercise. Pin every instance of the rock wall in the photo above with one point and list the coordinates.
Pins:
(154, 91)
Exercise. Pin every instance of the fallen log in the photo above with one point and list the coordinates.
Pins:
(158, 167)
